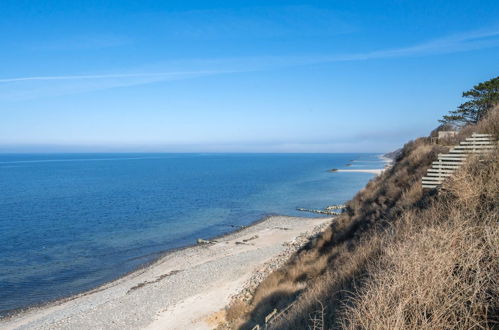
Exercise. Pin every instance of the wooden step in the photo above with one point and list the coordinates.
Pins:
(440, 165)
(433, 178)
(446, 167)
(450, 162)
(428, 186)
(443, 175)
(480, 139)
(434, 170)
(453, 155)
(475, 147)
(446, 162)
(491, 143)
(488, 136)
(481, 135)
(470, 151)
(471, 148)
(454, 159)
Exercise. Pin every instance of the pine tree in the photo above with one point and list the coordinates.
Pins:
(483, 97)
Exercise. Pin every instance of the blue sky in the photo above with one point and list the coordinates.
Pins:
(236, 76)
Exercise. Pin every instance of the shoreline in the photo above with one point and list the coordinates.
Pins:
(372, 171)
(387, 164)
(160, 255)
(256, 244)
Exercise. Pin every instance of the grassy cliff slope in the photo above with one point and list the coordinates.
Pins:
(401, 257)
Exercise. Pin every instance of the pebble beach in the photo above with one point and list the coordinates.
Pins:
(184, 288)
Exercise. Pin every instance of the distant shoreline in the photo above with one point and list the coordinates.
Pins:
(388, 162)
(373, 171)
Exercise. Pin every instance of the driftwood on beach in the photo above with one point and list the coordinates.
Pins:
(205, 241)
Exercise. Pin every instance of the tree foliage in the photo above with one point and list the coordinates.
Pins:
(482, 98)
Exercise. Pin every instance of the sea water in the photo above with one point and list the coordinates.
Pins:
(71, 222)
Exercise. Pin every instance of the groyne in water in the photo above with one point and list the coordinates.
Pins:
(327, 210)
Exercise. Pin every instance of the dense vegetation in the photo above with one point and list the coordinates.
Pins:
(401, 257)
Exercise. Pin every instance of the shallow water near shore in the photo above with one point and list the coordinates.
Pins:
(71, 222)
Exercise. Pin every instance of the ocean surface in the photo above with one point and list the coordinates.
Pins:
(71, 222)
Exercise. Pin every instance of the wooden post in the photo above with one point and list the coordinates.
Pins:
(269, 317)
(440, 172)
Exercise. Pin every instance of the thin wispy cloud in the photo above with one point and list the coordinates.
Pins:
(110, 76)
(456, 43)
(449, 44)
(16, 88)
(22, 88)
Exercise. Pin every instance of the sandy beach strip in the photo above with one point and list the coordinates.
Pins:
(183, 288)
(388, 162)
(373, 171)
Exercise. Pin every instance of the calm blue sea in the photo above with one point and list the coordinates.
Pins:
(70, 222)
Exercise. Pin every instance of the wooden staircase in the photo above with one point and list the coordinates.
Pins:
(447, 164)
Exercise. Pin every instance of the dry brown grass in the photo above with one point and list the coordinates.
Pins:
(489, 125)
(400, 257)
(440, 266)
(235, 310)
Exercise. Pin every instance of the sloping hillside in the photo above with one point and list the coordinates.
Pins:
(401, 256)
